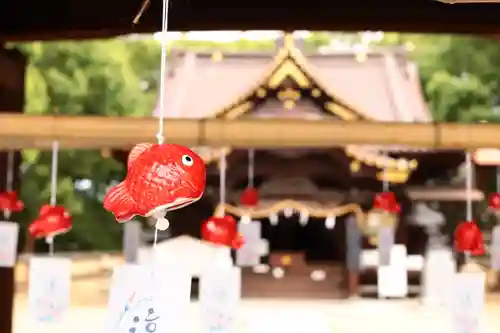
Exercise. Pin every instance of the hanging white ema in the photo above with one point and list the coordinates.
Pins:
(9, 232)
(220, 294)
(147, 299)
(254, 248)
(495, 249)
(49, 289)
(467, 301)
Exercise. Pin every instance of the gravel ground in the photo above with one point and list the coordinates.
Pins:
(342, 316)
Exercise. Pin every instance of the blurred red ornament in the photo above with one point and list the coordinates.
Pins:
(222, 231)
(160, 177)
(469, 238)
(52, 221)
(386, 201)
(249, 197)
(10, 203)
(494, 202)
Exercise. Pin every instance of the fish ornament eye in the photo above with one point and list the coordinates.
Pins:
(187, 160)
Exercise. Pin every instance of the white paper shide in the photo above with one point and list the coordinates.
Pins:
(9, 232)
(147, 299)
(49, 288)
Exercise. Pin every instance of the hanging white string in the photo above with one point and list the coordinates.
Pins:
(163, 71)
(9, 182)
(251, 167)
(9, 185)
(385, 183)
(468, 192)
(53, 189)
(222, 181)
(498, 179)
(469, 169)
(163, 78)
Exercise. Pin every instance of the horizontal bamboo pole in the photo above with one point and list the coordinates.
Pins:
(23, 131)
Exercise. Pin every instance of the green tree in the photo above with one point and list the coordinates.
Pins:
(83, 78)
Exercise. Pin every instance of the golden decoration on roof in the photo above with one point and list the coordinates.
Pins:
(315, 93)
(289, 104)
(289, 94)
(261, 93)
(289, 97)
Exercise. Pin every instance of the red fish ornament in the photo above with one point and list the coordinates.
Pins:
(222, 231)
(494, 203)
(249, 197)
(160, 178)
(386, 201)
(9, 203)
(469, 239)
(52, 221)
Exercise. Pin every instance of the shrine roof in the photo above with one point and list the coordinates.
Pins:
(381, 85)
(374, 85)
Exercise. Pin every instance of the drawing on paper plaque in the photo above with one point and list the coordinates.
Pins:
(138, 315)
(218, 308)
(49, 306)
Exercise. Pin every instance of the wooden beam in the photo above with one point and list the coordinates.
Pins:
(21, 131)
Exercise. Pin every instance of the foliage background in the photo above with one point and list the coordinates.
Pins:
(460, 77)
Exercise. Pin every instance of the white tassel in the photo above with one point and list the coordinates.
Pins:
(330, 222)
(288, 212)
(273, 219)
(304, 218)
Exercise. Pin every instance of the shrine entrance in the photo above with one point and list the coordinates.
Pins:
(305, 260)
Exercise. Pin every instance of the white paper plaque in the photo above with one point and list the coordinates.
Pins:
(250, 253)
(393, 278)
(220, 294)
(9, 233)
(49, 288)
(147, 299)
(467, 302)
(495, 248)
(438, 276)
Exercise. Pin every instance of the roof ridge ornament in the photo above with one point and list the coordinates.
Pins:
(289, 42)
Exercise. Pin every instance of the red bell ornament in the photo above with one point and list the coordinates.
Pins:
(160, 178)
(222, 231)
(469, 238)
(250, 197)
(494, 202)
(386, 201)
(9, 202)
(52, 221)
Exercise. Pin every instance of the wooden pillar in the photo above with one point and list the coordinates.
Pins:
(12, 67)
(353, 253)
